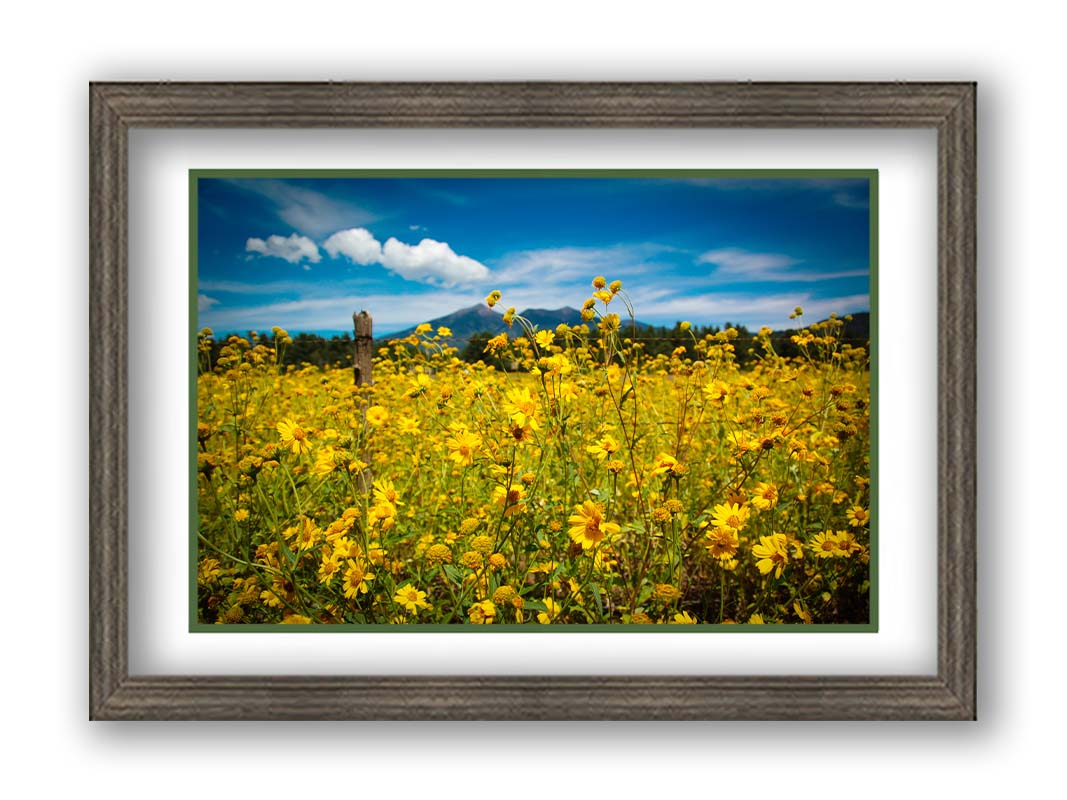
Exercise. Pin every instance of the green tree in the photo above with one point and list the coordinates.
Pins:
(475, 349)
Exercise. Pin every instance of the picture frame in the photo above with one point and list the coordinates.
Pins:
(948, 108)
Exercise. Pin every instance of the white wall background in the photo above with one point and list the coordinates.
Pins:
(51, 53)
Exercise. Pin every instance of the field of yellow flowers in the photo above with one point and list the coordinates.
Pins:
(592, 485)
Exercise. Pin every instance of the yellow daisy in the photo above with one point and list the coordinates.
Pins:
(483, 613)
(588, 527)
(730, 516)
(294, 437)
(411, 598)
(858, 516)
(825, 544)
(771, 554)
(355, 579)
(765, 496)
(604, 447)
(462, 446)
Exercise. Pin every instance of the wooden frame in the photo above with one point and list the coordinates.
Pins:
(948, 107)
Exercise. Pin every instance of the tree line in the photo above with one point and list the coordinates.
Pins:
(662, 340)
(337, 351)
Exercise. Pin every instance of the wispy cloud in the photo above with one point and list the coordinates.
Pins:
(844, 192)
(307, 211)
(394, 312)
(849, 200)
(771, 184)
(560, 265)
(734, 261)
(734, 265)
(750, 309)
(251, 287)
(203, 302)
(391, 312)
(294, 248)
(445, 196)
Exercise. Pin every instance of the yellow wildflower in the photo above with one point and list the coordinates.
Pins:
(377, 416)
(356, 578)
(462, 446)
(482, 613)
(858, 516)
(294, 437)
(771, 554)
(410, 598)
(552, 609)
(588, 527)
(730, 516)
(603, 447)
(765, 496)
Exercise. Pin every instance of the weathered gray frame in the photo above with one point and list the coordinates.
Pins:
(117, 107)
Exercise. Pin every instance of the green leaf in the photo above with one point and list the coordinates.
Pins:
(645, 593)
(596, 596)
(454, 574)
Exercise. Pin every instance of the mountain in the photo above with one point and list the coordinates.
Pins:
(466, 322)
(480, 318)
(546, 319)
(463, 323)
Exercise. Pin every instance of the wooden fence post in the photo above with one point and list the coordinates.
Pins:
(364, 342)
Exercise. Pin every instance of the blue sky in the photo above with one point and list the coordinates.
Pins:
(304, 253)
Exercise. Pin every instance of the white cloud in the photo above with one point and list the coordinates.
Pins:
(431, 261)
(203, 302)
(356, 244)
(294, 249)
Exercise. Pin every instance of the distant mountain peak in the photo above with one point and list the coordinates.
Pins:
(477, 308)
(551, 317)
(464, 323)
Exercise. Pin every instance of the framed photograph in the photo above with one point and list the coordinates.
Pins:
(591, 460)
(532, 401)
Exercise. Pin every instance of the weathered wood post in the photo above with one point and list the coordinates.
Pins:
(361, 369)
(364, 341)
